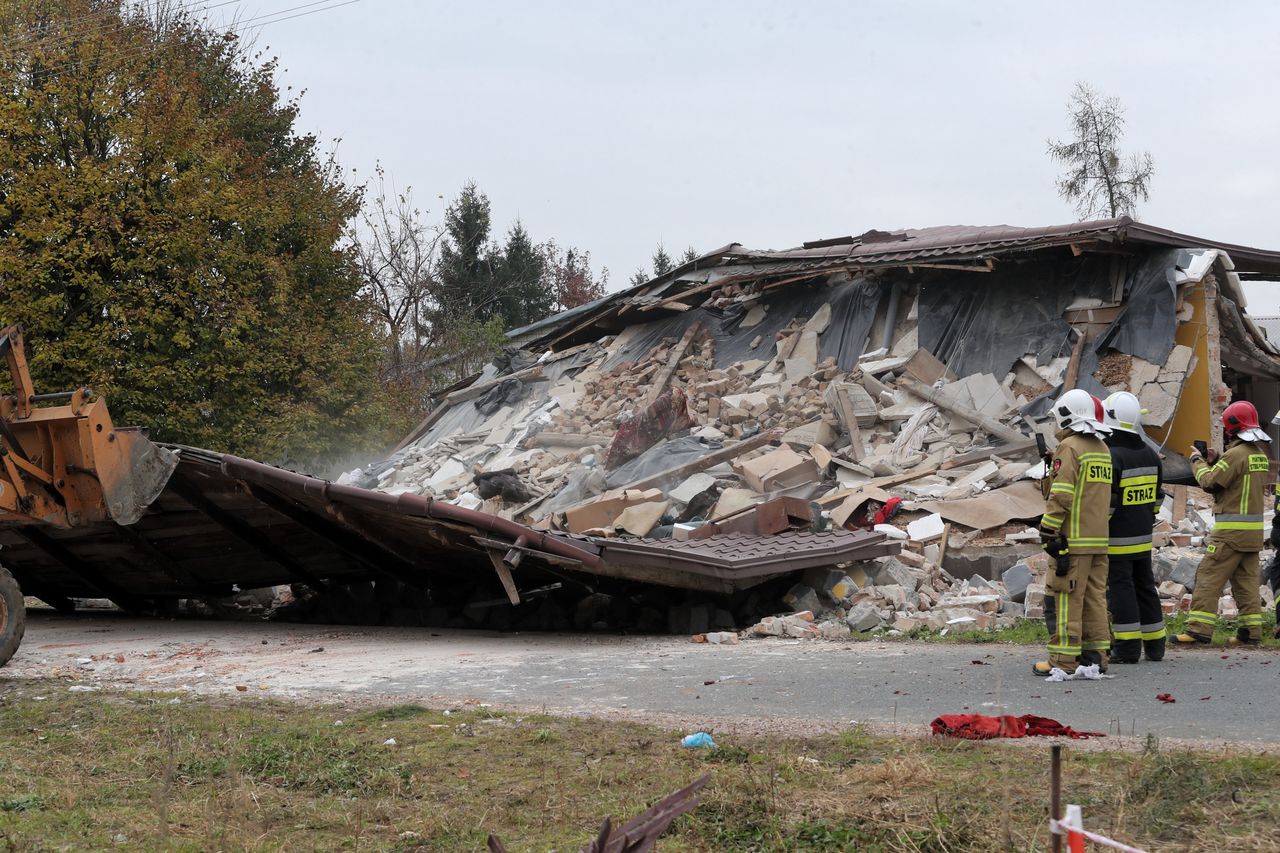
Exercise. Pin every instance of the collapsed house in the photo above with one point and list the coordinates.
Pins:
(842, 433)
(752, 394)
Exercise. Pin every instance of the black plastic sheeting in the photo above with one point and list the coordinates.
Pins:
(854, 303)
(1146, 326)
(987, 321)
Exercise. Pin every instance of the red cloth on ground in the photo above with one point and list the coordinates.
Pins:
(888, 511)
(983, 727)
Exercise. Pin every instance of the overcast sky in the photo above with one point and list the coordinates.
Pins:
(613, 126)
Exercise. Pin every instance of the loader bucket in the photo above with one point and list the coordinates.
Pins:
(132, 471)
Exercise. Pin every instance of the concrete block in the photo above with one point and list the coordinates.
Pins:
(1171, 589)
(1033, 601)
(907, 624)
(777, 469)
(801, 597)
(1184, 572)
(891, 570)
(863, 617)
(894, 594)
(1016, 580)
(833, 584)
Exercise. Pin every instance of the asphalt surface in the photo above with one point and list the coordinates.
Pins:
(1220, 695)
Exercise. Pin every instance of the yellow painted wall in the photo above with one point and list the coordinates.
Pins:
(1194, 416)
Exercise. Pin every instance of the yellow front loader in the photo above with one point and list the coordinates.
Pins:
(64, 464)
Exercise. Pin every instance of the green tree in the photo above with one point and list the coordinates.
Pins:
(523, 293)
(466, 270)
(662, 264)
(1099, 180)
(167, 237)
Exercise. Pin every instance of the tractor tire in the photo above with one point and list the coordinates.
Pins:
(13, 616)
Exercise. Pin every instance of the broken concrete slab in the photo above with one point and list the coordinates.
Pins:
(820, 320)
(695, 485)
(1016, 579)
(924, 529)
(755, 316)
(891, 571)
(864, 617)
(1184, 572)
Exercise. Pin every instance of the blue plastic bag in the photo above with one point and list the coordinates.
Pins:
(698, 740)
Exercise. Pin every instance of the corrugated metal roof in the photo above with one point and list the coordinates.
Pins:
(946, 243)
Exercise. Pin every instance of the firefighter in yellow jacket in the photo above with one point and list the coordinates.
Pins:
(1075, 531)
(1237, 481)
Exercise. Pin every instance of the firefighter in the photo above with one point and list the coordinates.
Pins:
(1237, 481)
(1137, 622)
(1074, 531)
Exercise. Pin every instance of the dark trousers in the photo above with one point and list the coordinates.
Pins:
(1137, 622)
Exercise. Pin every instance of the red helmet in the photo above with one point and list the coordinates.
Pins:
(1238, 417)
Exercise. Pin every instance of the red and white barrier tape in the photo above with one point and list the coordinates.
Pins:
(1071, 826)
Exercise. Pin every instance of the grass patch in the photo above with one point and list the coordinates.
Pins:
(128, 770)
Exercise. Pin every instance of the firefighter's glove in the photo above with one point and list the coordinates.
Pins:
(1063, 564)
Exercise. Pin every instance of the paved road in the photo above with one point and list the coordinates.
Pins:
(1220, 695)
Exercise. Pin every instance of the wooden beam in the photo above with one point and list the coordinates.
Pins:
(856, 450)
(245, 532)
(161, 561)
(673, 361)
(1073, 366)
(954, 267)
(58, 552)
(504, 575)
(989, 425)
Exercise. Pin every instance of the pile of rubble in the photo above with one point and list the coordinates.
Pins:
(658, 436)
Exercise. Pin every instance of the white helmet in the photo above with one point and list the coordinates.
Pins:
(1075, 410)
(1122, 411)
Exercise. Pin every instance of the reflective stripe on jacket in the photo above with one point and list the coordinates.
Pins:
(1136, 497)
(1237, 482)
(1078, 501)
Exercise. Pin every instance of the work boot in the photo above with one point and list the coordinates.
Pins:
(1190, 639)
(1242, 638)
(1153, 649)
(1093, 658)
(1126, 651)
(1042, 668)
